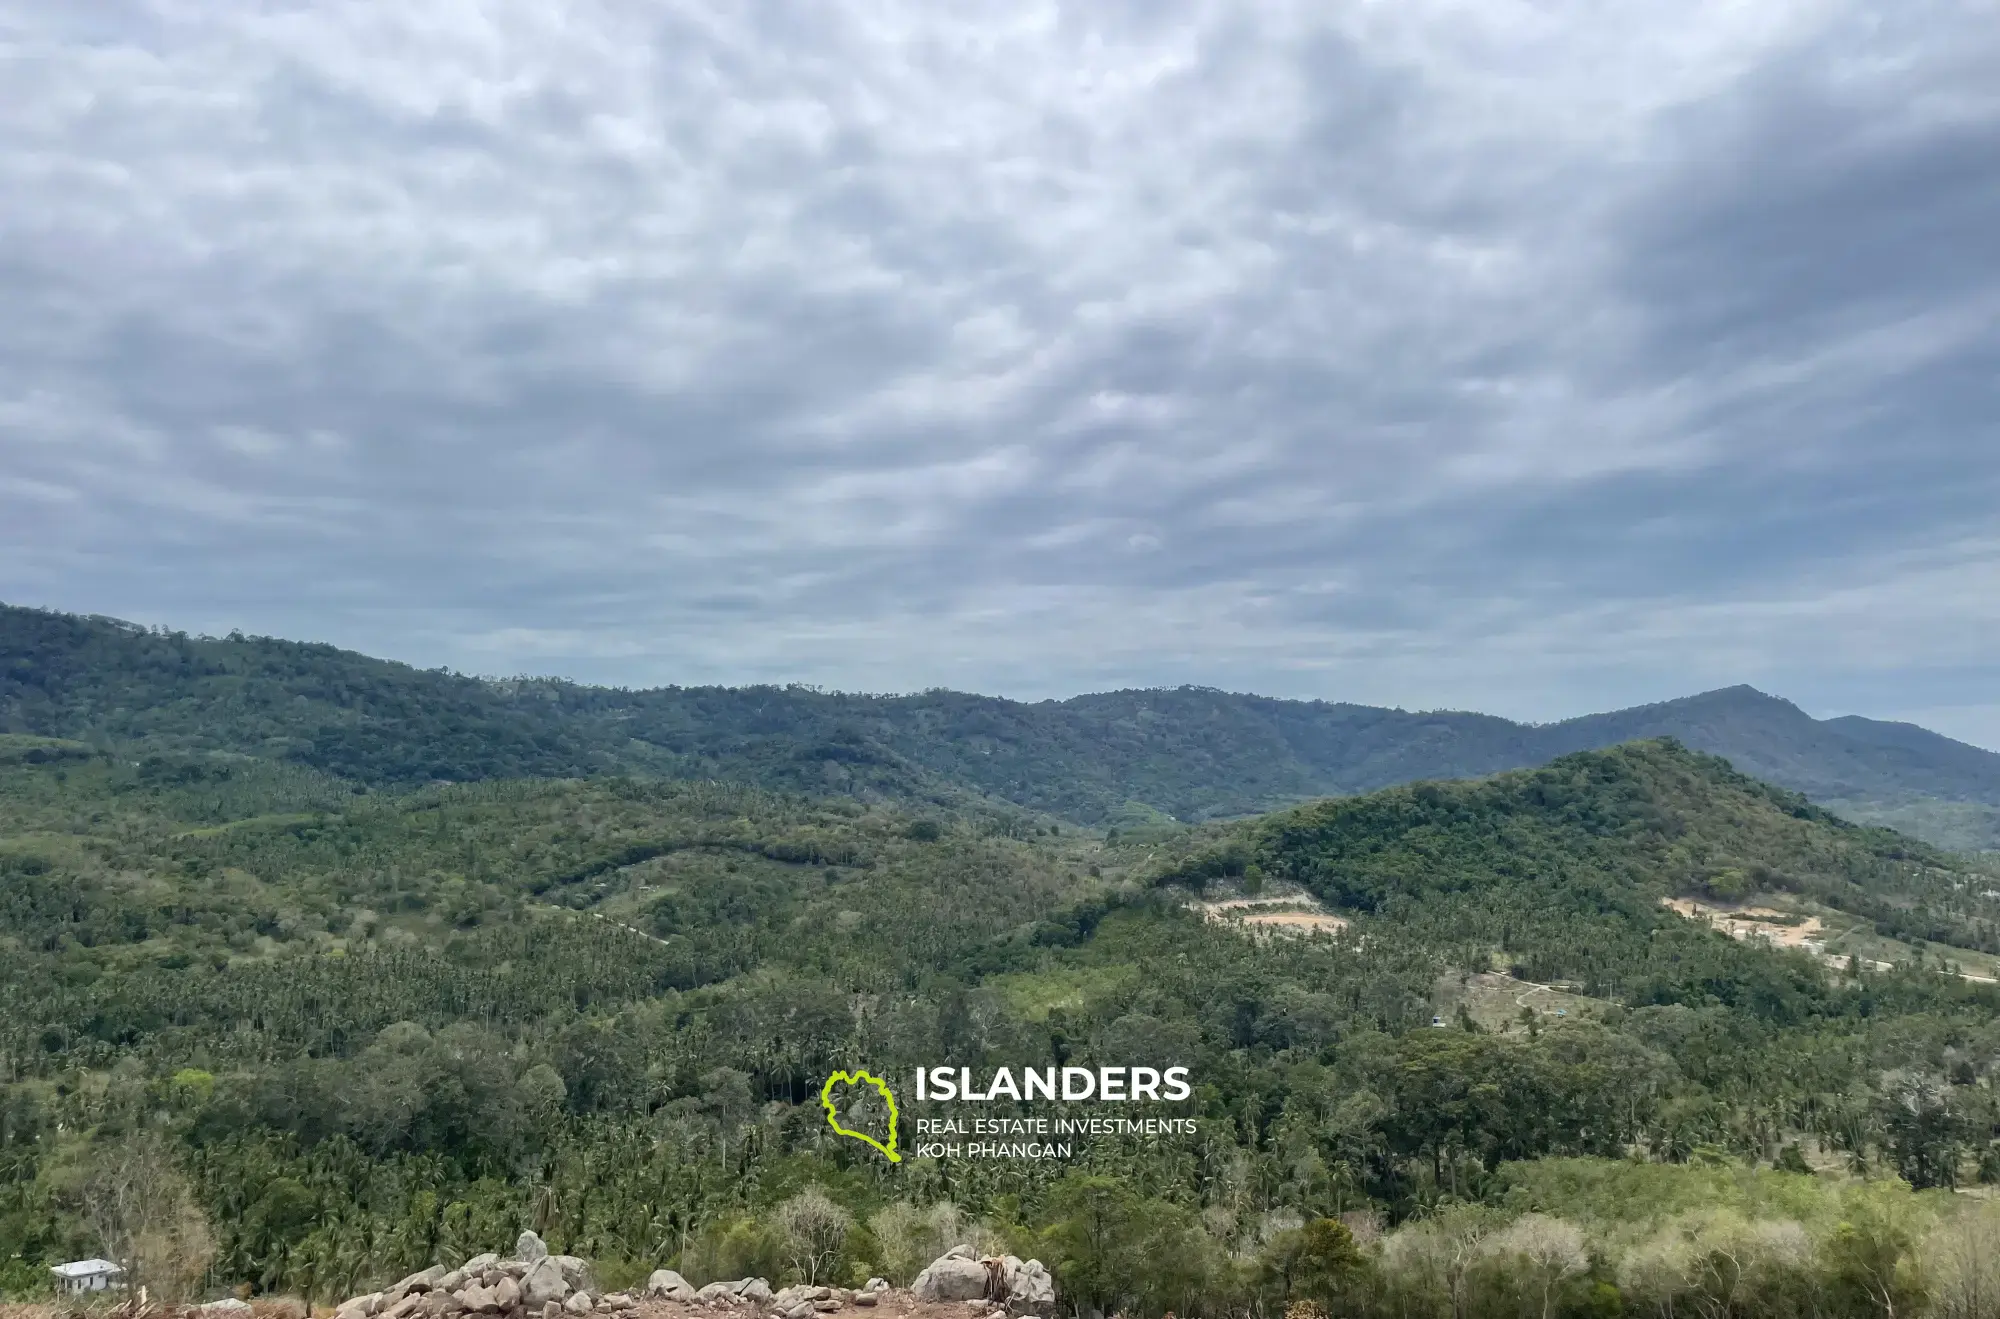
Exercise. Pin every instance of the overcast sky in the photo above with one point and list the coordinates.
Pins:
(1536, 358)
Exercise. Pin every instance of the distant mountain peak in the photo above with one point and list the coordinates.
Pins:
(1189, 752)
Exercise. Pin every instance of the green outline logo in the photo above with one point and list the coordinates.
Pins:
(833, 1119)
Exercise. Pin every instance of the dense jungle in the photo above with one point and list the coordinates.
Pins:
(1629, 1031)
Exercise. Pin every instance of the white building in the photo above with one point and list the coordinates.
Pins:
(87, 1275)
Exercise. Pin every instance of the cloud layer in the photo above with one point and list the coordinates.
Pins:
(1528, 357)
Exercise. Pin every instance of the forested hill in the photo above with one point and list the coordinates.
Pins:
(1098, 759)
(1565, 866)
(343, 1034)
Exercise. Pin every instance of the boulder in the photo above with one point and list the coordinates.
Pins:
(530, 1249)
(578, 1303)
(577, 1273)
(877, 1285)
(716, 1291)
(478, 1298)
(552, 1310)
(619, 1301)
(544, 1282)
(422, 1281)
(956, 1275)
(478, 1264)
(827, 1306)
(404, 1307)
(508, 1293)
(1028, 1289)
(865, 1299)
(452, 1281)
(229, 1309)
(665, 1284)
(441, 1305)
(360, 1307)
(796, 1295)
(755, 1290)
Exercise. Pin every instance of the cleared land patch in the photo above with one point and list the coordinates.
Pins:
(1781, 929)
(1290, 913)
(1496, 1002)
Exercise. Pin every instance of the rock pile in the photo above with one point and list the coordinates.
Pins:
(1023, 1287)
(997, 1283)
(802, 1302)
(532, 1285)
(537, 1285)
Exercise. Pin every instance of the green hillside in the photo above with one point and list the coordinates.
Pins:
(1191, 754)
(352, 1030)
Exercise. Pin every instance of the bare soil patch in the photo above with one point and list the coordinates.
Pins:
(1779, 928)
(1275, 913)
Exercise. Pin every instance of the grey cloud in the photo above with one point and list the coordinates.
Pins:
(1527, 360)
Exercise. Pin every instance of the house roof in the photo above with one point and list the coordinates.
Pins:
(85, 1268)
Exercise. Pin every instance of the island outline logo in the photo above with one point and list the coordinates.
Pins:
(859, 1077)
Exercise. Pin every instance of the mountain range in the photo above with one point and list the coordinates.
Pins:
(345, 1021)
(1109, 759)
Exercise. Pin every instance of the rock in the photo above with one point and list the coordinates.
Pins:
(544, 1282)
(826, 1306)
(716, 1291)
(668, 1285)
(491, 1275)
(755, 1290)
(552, 1310)
(865, 1299)
(530, 1249)
(232, 1307)
(877, 1285)
(404, 1307)
(508, 1293)
(359, 1308)
(423, 1281)
(441, 1305)
(620, 1301)
(1028, 1288)
(578, 1303)
(478, 1264)
(956, 1275)
(452, 1281)
(802, 1310)
(576, 1272)
(796, 1295)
